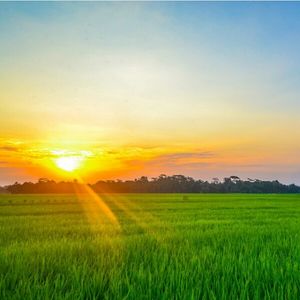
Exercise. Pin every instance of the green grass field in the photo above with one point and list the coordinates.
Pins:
(163, 247)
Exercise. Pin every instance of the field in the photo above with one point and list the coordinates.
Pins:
(150, 246)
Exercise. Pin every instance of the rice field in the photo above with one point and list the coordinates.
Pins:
(150, 246)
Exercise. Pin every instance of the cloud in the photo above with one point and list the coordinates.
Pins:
(187, 156)
(23, 150)
(9, 148)
(187, 159)
(175, 162)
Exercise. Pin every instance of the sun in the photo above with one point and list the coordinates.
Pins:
(68, 163)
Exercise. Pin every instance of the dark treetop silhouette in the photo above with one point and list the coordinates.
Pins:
(160, 184)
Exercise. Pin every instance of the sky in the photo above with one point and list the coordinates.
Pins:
(143, 88)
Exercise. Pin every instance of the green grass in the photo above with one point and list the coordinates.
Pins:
(165, 247)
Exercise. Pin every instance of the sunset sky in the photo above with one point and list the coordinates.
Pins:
(130, 89)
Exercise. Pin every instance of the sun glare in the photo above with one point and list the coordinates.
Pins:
(68, 163)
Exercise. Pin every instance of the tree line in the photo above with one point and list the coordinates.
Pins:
(160, 184)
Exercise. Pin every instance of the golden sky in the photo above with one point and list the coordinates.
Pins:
(130, 89)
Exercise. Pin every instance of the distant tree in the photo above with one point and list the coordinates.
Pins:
(144, 179)
(161, 184)
(234, 179)
(43, 180)
(215, 180)
(3, 190)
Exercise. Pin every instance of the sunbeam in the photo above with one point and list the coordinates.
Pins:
(96, 210)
